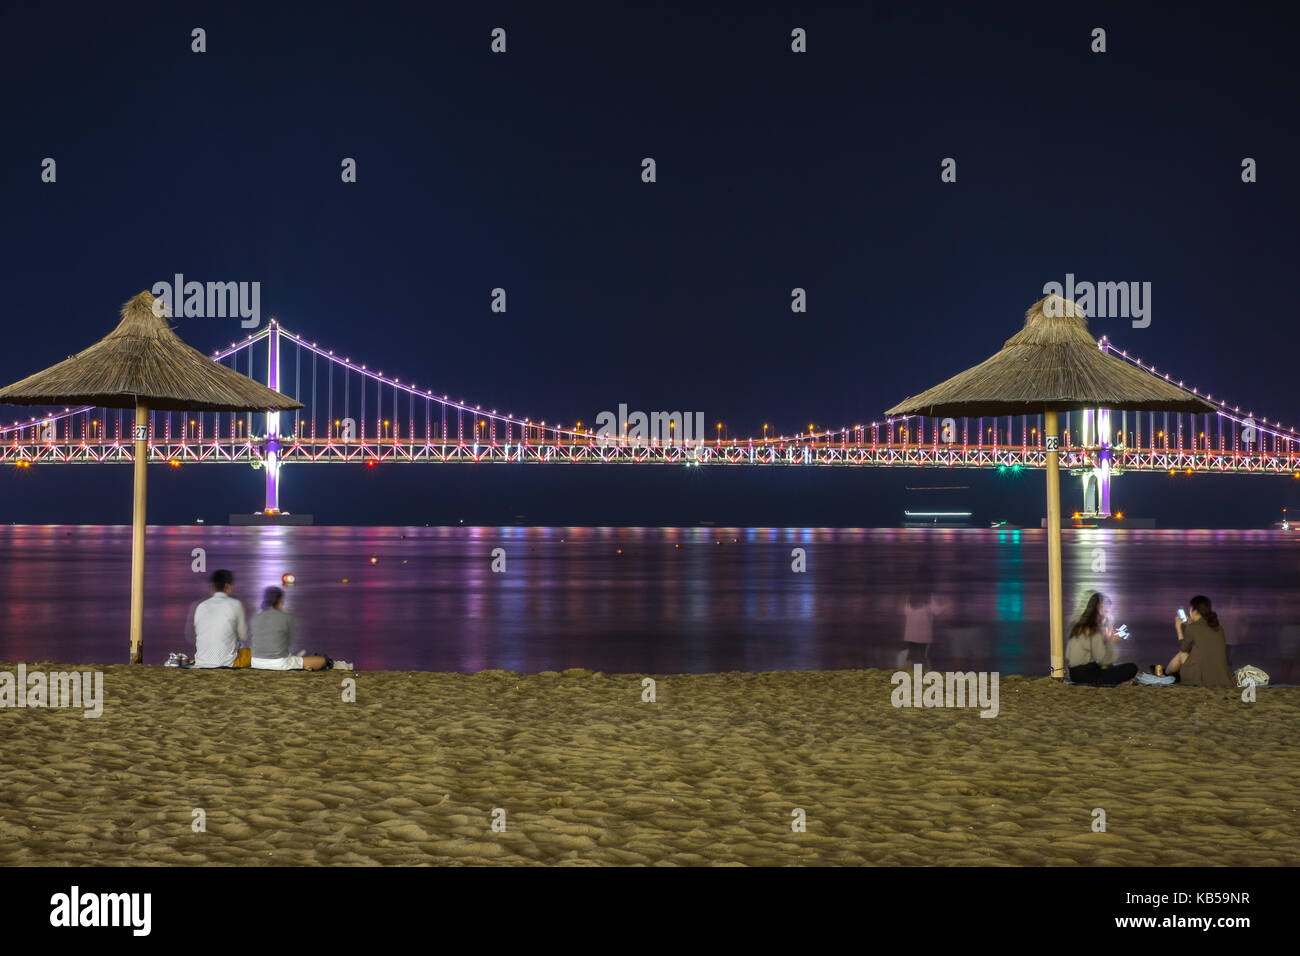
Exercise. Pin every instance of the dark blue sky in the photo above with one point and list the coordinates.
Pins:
(775, 170)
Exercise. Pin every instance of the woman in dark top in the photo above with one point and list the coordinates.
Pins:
(1202, 658)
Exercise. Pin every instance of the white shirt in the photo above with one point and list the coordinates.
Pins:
(219, 626)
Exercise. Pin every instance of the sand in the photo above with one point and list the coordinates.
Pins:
(287, 773)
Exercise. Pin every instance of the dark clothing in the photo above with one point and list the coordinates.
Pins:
(1091, 659)
(1107, 676)
(1207, 656)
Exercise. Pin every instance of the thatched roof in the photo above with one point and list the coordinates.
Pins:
(1052, 363)
(143, 358)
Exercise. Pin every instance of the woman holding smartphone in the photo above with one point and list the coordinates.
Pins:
(1090, 652)
(1202, 658)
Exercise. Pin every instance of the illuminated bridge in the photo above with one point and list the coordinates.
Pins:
(355, 414)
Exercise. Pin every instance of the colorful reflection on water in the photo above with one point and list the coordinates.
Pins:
(649, 600)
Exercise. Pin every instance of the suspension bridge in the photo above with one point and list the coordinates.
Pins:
(354, 414)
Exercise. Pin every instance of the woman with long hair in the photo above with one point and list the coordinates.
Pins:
(1090, 651)
(1202, 658)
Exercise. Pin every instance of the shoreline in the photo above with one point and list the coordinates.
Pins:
(588, 773)
(698, 526)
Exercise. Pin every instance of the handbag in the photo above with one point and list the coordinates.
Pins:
(243, 657)
(1250, 674)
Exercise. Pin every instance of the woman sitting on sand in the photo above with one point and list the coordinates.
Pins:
(1090, 652)
(1202, 658)
(274, 632)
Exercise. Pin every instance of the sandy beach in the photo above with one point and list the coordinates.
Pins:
(287, 773)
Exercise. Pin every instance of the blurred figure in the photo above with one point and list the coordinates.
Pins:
(1090, 652)
(918, 627)
(219, 624)
(1202, 658)
(1281, 659)
(275, 631)
(967, 647)
(1246, 640)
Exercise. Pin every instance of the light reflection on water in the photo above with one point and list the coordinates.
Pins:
(675, 600)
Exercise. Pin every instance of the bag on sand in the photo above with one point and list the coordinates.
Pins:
(1250, 674)
(243, 657)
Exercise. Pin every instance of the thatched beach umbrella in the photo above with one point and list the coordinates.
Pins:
(1052, 365)
(143, 364)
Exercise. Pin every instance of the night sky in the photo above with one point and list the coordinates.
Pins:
(775, 170)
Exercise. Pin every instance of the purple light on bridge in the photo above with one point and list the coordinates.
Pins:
(272, 462)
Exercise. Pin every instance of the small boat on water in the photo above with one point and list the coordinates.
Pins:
(936, 519)
(936, 506)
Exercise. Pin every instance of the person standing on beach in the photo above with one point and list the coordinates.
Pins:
(918, 627)
(274, 632)
(1090, 652)
(219, 624)
(1202, 658)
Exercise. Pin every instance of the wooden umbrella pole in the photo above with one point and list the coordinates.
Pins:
(1054, 545)
(137, 533)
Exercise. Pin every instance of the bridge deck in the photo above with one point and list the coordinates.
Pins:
(878, 455)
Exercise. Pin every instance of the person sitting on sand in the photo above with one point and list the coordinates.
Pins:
(1090, 652)
(219, 624)
(274, 632)
(1202, 658)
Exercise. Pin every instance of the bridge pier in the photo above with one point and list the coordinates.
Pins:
(272, 462)
(1104, 455)
(1096, 480)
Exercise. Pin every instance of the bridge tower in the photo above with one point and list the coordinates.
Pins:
(1096, 480)
(272, 461)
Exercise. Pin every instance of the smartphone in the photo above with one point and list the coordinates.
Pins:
(1182, 615)
(1123, 631)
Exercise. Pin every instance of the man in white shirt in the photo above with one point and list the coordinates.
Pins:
(219, 624)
